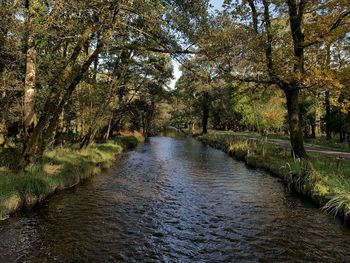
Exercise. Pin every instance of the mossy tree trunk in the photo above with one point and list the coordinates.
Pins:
(30, 75)
(292, 91)
(295, 129)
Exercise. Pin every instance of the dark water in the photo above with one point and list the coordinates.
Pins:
(176, 200)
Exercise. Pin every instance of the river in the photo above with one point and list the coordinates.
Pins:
(176, 200)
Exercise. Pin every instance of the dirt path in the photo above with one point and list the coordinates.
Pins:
(286, 144)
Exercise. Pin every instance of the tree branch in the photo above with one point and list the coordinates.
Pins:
(335, 25)
(164, 50)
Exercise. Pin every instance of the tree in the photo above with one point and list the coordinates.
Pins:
(258, 109)
(285, 59)
(199, 83)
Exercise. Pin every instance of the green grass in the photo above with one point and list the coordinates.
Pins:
(60, 169)
(318, 142)
(321, 141)
(333, 144)
(324, 179)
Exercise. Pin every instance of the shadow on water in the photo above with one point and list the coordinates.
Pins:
(172, 132)
(176, 200)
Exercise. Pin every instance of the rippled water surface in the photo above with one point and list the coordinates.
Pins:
(176, 200)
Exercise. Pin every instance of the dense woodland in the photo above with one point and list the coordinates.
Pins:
(75, 72)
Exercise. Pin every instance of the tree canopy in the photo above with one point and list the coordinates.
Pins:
(80, 71)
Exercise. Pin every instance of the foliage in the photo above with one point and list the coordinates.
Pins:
(77, 71)
(258, 109)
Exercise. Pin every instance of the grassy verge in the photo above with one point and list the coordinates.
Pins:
(60, 169)
(320, 142)
(324, 179)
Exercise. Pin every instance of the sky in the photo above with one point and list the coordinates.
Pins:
(217, 4)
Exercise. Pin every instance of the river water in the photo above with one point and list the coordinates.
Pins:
(176, 200)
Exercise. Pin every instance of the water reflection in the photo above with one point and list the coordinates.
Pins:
(176, 200)
(172, 132)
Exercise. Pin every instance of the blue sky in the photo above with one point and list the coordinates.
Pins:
(217, 4)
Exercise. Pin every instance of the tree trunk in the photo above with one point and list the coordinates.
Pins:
(30, 76)
(296, 14)
(149, 119)
(318, 116)
(205, 112)
(2, 131)
(327, 96)
(108, 131)
(328, 116)
(313, 131)
(269, 39)
(3, 37)
(29, 91)
(341, 137)
(296, 135)
(88, 138)
(254, 15)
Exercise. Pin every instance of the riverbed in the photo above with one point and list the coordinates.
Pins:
(176, 200)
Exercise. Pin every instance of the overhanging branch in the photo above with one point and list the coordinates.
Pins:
(154, 49)
(335, 25)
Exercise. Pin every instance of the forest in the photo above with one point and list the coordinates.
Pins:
(283, 68)
(119, 118)
(74, 73)
(77, 71)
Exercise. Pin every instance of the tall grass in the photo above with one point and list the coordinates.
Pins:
(324, 179)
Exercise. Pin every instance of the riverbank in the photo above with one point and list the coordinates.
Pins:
(60, 169)
(323, 179)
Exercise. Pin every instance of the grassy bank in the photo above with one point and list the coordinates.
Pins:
(325, 180)
(320, 141)
(60, 169)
